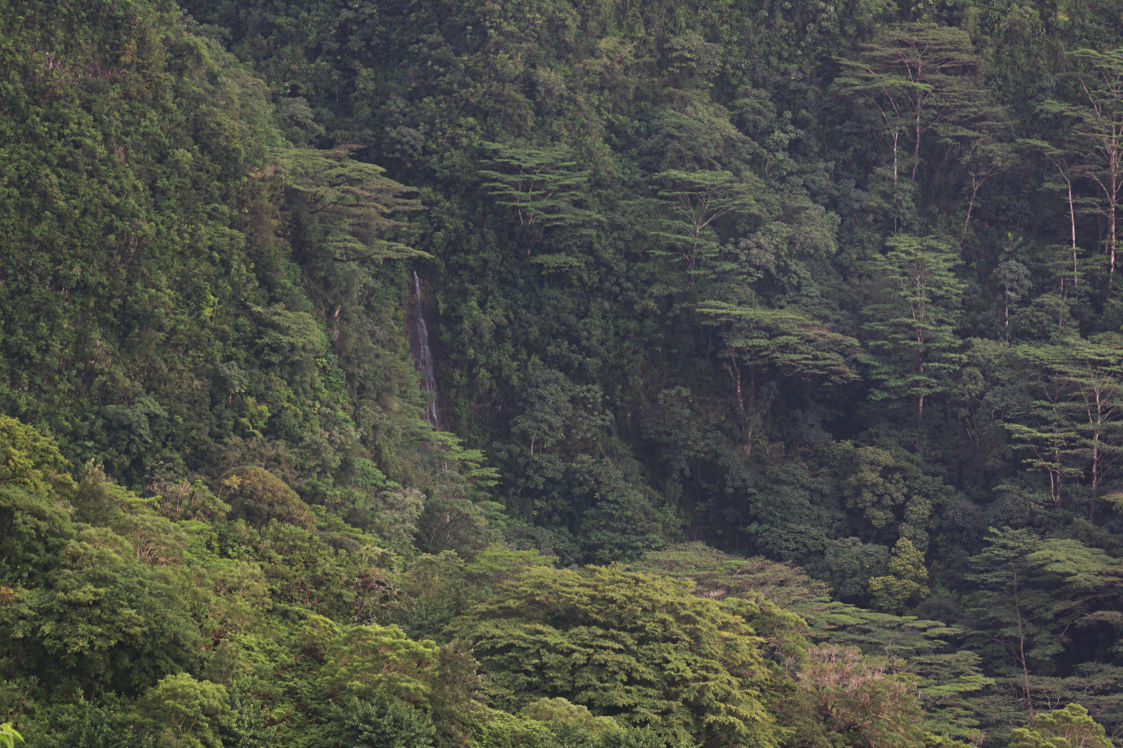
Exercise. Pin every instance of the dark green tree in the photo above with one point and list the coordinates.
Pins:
(921, 78)
(355, 200)
(550, 196)
(912, 318)
(1093, 133)
(693, 202)
(763, 344)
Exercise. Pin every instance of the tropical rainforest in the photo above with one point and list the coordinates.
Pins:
(585, 373)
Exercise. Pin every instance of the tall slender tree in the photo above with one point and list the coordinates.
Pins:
(919, 77)
(544, 186)
(692, 203)
(911, 320)
(777, 343)
(358, 204)
(1092, 130)
(1075, 426)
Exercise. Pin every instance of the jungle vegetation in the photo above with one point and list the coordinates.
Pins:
(575, 373)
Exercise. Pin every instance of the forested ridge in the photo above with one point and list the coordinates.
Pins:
(561, 373)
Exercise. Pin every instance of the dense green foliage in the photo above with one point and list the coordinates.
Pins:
(829, 286)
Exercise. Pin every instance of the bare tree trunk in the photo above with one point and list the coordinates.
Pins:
(1059, 163)
(735, 374)
(917, 131)
(976, 184)
(1006, 310)
(1072, 223)
(1022, 649)
(896, 176)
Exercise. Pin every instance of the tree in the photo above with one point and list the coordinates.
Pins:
(381, 721)
(258, 496)
(983, 155)
(1044, 428)
(628, 644)
(892, 492)
(1001, 570)
(949, 675)
(85, 625)
(453, 698)
(1085, 601)
(912, 319)
(777, 344)
(548, 191)
(1066, 161)
(363, 661)
(186, 712)
(1078, 423)
(906, 579)
(858, 701)
(354, 199)
(784, 342)
(694, 201)
(1061, 728)
(33, 461)
(9, 735)
(919, 77)
(1094, 133)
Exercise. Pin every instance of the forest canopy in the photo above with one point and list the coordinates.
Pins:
(560, 372)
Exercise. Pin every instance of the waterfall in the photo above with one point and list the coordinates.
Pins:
(421, 346)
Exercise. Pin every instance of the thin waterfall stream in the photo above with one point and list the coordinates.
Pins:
(421, 346)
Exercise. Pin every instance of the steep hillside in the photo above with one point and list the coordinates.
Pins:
(831, 287)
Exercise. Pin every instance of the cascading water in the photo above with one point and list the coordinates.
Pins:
(417, 330)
